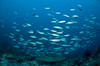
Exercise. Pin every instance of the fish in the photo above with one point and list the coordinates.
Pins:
(55, 40)
(57, 27)
(30, 31)
(75, 16)
(63, 21)
(61, 35)
(34, 14)
(72, 9)
(27, 24)
(66, 15)
(70, 23)
(55, 34)
(58, 12)
(33, 36)
(47, 8)
(80, 9)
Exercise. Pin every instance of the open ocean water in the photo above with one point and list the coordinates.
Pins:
(49, 28)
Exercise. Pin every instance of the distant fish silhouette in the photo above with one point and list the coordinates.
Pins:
(34, 15)
(80, 9)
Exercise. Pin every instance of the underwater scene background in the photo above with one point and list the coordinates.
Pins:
(45, 29)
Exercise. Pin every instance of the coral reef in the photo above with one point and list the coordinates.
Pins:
(87, 59)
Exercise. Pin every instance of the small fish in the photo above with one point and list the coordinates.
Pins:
(75, 16)
(69, 23)
(72, 9)
(63, 21)
(55, 40)
(66, 15)
(30, 32)
(34, 15)
(33, 36)
(28, 24)
(80, 9)
(47, 8)
(58, 12)
(57, 27)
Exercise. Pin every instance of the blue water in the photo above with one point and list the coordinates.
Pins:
(23, 7)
